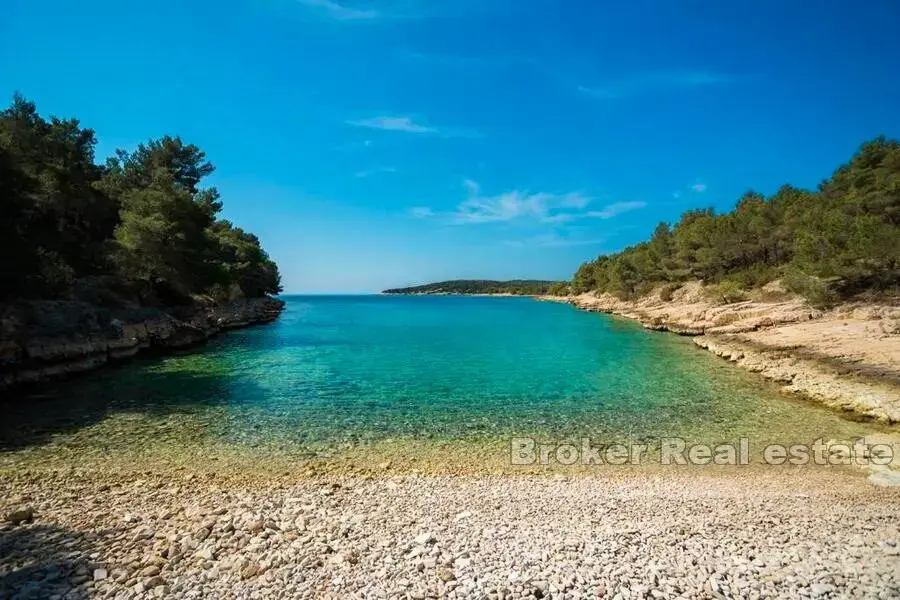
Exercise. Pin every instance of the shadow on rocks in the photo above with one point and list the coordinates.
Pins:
(44, 561)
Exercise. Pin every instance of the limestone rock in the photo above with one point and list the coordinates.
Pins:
(22, 514)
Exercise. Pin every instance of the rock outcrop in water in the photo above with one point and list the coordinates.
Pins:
(848, 358)
(44, 340)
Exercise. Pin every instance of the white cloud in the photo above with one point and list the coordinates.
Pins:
(404, 124)
(542, 207)
(407, 125)
(369, 172)
(699, 187)
(516, 204)
(505, 207)
(617, 208)
(341, 12)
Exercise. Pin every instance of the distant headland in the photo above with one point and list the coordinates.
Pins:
(513, 287)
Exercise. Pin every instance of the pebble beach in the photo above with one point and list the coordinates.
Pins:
(754, 532)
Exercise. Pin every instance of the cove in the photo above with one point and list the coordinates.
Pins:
(341, 372)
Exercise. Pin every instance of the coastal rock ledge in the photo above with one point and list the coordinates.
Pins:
(45, 340)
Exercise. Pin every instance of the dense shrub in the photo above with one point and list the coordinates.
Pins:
(726, 292)
(816, 291)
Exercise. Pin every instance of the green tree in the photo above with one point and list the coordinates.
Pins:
(54, 207)
(143, 217)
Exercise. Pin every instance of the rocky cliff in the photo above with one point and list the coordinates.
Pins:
(45, 340)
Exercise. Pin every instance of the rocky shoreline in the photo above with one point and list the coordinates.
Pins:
(43, 341)
(847, 358)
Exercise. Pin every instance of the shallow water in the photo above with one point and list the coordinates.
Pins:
(340, 372)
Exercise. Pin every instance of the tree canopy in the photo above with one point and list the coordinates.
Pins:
(837, 241)
(142, 221)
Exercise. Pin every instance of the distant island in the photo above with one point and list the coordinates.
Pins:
(515, 287)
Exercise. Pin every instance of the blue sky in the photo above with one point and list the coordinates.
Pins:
(376, 144)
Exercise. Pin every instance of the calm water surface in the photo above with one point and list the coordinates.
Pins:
(343, 371)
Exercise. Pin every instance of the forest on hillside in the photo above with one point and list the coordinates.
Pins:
(519, 287)
(139, 227)
(836, 242)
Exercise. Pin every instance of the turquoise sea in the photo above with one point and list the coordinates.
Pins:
(340, 372)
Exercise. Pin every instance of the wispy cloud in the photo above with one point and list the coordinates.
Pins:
(369, 172)
(653, 82)
(408, 125)
(404, 124)
(616, 208)
(562, 217)
(515, 204)
(541, 207)
(342, 12)
(699, 187)
(519, 205)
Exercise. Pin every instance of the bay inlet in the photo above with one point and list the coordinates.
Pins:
(434, 382)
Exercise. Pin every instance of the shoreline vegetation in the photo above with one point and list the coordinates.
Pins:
(837, 244)
(98, 262)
